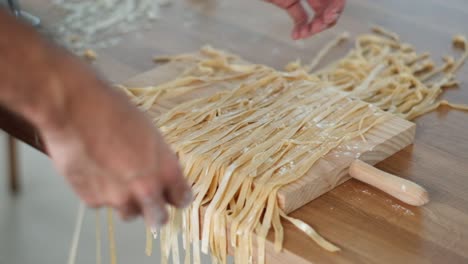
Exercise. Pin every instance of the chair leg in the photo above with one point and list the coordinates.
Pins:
(13, 165)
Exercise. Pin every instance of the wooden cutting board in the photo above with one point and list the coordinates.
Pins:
(330, 171)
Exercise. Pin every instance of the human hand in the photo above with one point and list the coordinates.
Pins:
(326, 15)
(108, 151)
(112, 155)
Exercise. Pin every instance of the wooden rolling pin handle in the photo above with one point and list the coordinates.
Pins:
(404, 190)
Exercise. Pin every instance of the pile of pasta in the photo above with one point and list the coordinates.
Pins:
(390, 74)
(262, 130)
(253, 129)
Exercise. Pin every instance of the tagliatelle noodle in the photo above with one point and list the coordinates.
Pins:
(111, 237)
(76, 234)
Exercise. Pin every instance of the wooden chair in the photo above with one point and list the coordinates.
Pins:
(14, 182)
(13, 174)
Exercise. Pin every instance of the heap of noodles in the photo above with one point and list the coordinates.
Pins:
(253, 130)
(389, 74)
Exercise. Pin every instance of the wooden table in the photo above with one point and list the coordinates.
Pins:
(368, 225)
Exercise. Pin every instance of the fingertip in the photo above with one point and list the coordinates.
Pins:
(150, 199)
(179, 195)
(331, 18)
(176, 189)
(295, 34)
(155, 214)
(304, 32)
(161, 214)
(316, 26)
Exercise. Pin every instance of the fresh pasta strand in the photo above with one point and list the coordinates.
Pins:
(76, 234)
(111, 237)
(325, 50)
(311, 233)
(98, 237)
(149, 242)
(382, 31)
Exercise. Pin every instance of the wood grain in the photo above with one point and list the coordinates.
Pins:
(332, 170)
(370, 226)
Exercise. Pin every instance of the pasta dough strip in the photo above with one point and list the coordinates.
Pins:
(111, 237)
(149, 242)
(76, 234)
(98, 237)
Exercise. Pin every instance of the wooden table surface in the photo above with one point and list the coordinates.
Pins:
(368, 225)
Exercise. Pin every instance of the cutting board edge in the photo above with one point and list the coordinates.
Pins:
(301, 192)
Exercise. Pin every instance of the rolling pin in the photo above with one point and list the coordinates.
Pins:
(402, 189)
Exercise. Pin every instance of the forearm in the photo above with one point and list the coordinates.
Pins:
(110, 152)
(40, 81)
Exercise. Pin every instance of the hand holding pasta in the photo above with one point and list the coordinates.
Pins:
(326, 15)
(113, 156)
(108, 150)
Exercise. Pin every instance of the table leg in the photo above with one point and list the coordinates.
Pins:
(13, 165)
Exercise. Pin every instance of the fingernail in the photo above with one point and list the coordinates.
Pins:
(331, 18)
(159, 216)
(295, 35)
(187, 199)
